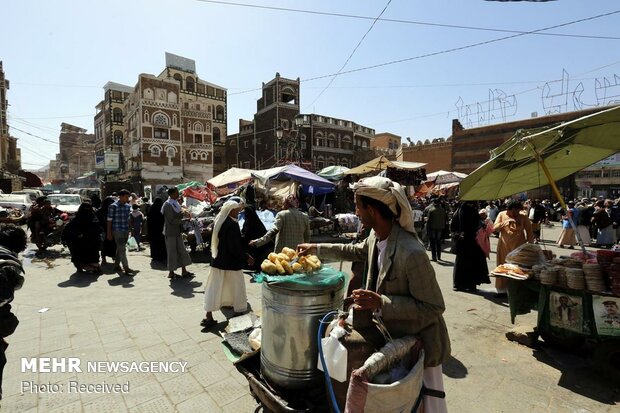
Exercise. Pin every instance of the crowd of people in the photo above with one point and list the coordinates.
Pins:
(396, 275)
(595, 222)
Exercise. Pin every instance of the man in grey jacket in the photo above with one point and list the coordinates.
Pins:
(175, 248)
(291, 227)
(400, 282)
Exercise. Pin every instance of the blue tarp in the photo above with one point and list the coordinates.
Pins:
(311, 183)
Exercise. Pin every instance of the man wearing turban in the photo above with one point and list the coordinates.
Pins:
(400, 284)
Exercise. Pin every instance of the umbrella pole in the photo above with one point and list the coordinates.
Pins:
(556, 191)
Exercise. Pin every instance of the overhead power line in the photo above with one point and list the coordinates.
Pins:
(33, 135)
(403, 21)
(350, 55)
(445, 51)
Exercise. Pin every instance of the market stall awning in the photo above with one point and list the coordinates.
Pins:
(445, 177)
(189, 184)
(381, 163)
(531, 159)
(312, 183)
(231, 176)
(333, 173)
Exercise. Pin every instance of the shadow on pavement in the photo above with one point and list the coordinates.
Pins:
(125, 281)
(579, 375)
(215, 329)
(159, 265)
(184, 287)
(202, 257)
(453, 368)
(491, 296)
(79, 280)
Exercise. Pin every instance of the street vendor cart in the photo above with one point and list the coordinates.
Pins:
(306, 355)
(577, 302)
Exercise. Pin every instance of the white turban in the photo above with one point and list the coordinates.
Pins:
(219, 220)
(391, 194)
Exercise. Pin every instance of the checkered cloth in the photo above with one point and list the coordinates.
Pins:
(119, 213)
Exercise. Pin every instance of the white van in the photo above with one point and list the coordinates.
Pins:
(18, 201)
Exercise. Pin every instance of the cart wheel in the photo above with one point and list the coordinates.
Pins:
(607, 359)
(568, 343)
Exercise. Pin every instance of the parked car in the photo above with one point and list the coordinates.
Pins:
(68, 203)
(87, 193)
(32, 193)
(18, 201)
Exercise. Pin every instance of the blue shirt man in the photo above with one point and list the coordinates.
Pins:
(118, 229)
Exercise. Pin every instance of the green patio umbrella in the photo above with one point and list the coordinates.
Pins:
(536, 157)
(533, 158)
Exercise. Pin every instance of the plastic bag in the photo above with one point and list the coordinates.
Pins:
(335, 354)
(132, 244)
(326, 276)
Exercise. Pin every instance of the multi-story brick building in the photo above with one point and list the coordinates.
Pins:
(279, 134)
(76, 155)
(10, 154)
(109, 124)
(172, 122)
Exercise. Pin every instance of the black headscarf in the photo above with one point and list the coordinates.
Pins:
(253, 227)
(102, 213)
(155, 210)
(85, 214)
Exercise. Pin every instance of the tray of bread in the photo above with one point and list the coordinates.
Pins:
(511, 271)
(288, 262)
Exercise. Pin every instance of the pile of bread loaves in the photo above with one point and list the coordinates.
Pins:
(288, 262)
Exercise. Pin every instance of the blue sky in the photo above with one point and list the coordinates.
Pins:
(58, 55)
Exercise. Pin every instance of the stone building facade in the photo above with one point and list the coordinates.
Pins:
(436, 153)
(76, 155)
(310, 140)
(10, 154)
(109, 124)
(171, 124)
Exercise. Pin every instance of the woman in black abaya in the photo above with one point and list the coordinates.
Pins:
(470, 267)
(155, 226)
(108, 249)
(253, 228)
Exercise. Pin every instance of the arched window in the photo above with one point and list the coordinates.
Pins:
(216, 135)
(155, 151)
(193, 155)
(179, 79)
(203, 156)
(117, 115)
(198, 127)
(118, 137)
(146, 116)
(219, 112)
(331, 141)
(189, 83)
(346, 142)
(161, 119)
(170, 152)
(320, 141)
(174, 120)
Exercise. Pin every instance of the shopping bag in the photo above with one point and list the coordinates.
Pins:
(132, 244)
(335, 355)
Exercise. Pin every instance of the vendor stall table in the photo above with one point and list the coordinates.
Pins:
(567, 318)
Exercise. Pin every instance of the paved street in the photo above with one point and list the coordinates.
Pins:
(149, 318)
